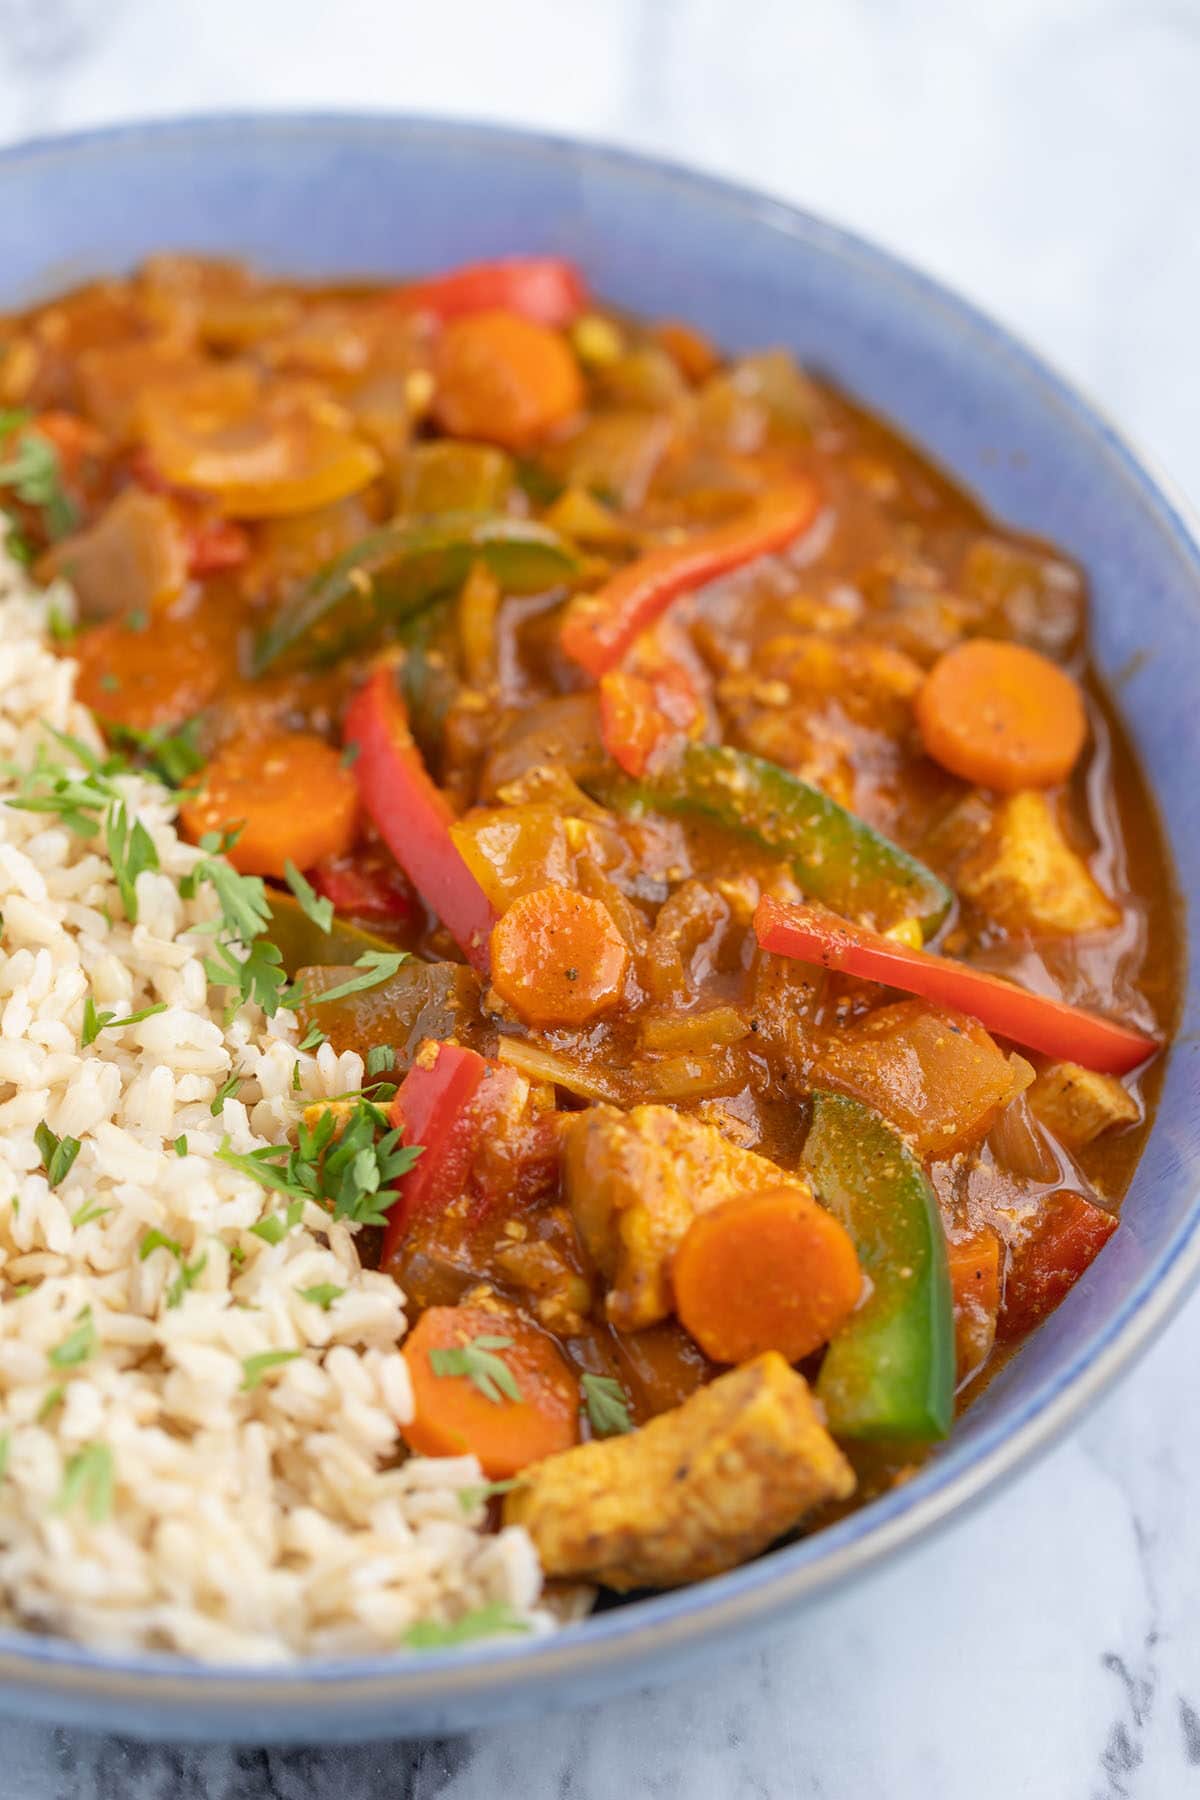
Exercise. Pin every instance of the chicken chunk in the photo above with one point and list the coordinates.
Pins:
(1026, 876)
(1078, 1104)
(697, 1490)
(635, 1181)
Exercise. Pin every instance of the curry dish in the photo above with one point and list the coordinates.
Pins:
(699, 816)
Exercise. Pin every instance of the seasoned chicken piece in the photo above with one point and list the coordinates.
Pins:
(1077, 1104)
(1027, 877)
(635, 1181)
(697, 1490)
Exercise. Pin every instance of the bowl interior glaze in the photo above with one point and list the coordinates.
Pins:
(331, 196)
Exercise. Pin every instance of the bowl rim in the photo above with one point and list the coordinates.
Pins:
(634, 1636)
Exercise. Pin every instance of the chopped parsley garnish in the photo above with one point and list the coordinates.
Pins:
(33, 473)
(255, 1367)
(54, 1397)
(475, 1495)
(485, 1621)
(58, 1153)
(311, 904)
(189, 1274)
(380, 1058)
(226, 1091)
(62, 629)
(158, 1240)
(137, 620)
(5, 1447)
(95, 1022)
(274, 1227)
(89, 1478)
(181, 1147)
(350, 755)
(313, 1038)
(480, 1365)
(86, 1213)
(130, 850)
(171, 755)
(351, 1173)
(378, 965)
(607, 1405)
(323, 1295)
(245, 912)
(78, 1344)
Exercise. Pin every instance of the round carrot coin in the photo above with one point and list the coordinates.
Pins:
(504, 379)
(288, 795)
(489, 1384)
(557, 958)
(765, 1271)
(1001, 715)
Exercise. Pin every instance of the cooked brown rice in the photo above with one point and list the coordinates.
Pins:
(251, 1525)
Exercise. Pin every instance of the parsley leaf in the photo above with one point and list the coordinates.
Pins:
(54, 1397)
(33, 473)
(87, 1212)
(349, 755)
(58, 1154)
(274, 1227)
(171, 755)
(89, 1477)
(158, 1240)
(485, 1621)
(130, 850)
(77, 1346)
(313, 1038)
(379, 965)
(311, 904)
(477, 1361)
(189, 1274)
(380, 1058)
(353, 1175)
(471, 1497)
(95, 1022)
(607, 1406)
(323, 1295)
(227, 1089)
(255, 1367)
(181, 1147)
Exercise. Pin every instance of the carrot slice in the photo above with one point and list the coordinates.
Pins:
(557, 958)
(1001, 715)
(503, 378)
(489, 1384)
(765, 1271)
(290, 794)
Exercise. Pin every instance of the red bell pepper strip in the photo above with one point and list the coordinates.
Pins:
(366, 885)
(413, 817)
(433, 1107)
(1045, 1266)
(812, 936)
(546, 289)
(599, 628)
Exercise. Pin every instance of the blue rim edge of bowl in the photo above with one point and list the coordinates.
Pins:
(946, 1488)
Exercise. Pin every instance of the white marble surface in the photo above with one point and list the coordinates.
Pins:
(1043, 156)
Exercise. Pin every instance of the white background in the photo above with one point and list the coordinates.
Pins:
(1044, 157)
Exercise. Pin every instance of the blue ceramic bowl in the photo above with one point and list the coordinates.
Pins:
(327, 196)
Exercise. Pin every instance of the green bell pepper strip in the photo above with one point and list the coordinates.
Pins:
(838, 858)
(889, 1372)
(302, 943)
(400, 569)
